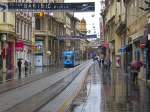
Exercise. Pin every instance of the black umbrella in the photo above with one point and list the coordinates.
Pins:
(20, 59)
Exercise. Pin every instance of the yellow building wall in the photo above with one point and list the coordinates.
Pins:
(117, 44)
(9, 25)
(136, 21)
(111, 11)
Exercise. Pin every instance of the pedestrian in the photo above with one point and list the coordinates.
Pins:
(101, 62)
(26, 67)
(135, 69)
(105, 65)
(19, 63)
(30, 67)
(109, 64)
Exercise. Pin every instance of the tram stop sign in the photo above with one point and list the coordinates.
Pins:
(75, 7)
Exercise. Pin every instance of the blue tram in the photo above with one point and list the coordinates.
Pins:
(71, 58)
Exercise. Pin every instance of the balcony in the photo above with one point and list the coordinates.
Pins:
(121, 28)
(44, 33)
(9, 28)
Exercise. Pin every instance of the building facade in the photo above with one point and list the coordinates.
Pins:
(24, 32)
(112, 15)
(7, 45)
(126, 29)
(137, 22)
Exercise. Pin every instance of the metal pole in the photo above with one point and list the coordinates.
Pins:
(125, 64)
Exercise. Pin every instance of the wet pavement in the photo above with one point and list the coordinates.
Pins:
(90, 98)
(112, 92)
(122, 95)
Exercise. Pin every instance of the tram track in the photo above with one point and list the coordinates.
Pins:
(14, 84)
(22, 82)
(35, 101)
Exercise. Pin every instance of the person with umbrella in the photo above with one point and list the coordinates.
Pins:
(135, 67)
(19, 63)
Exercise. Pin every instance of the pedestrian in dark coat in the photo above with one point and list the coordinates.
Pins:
(26, 67)
(19, 63)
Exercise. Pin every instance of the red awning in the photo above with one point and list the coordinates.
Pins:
(19, 45)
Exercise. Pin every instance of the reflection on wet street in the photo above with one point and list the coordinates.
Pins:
(112, 92)
(122, 95)
(90, 98)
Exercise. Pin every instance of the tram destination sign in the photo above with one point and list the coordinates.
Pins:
(75, 7)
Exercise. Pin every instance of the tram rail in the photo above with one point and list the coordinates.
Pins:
(34, 101)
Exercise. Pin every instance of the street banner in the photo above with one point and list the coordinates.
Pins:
(77, 37)
(75, 7)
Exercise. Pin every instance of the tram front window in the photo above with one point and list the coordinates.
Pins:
(68, 58)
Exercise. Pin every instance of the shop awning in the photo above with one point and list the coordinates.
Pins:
(137, 39)
(19, 45)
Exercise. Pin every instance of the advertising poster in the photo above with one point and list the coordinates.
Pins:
(118, 61)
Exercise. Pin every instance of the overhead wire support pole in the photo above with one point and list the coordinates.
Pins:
(125, 36)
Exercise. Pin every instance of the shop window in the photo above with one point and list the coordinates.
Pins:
(37, 24)
(4, 16)
(137, 55)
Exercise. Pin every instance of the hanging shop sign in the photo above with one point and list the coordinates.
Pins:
(142, 45)
(76, 7)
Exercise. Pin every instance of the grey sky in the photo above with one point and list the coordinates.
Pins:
(92, 18)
